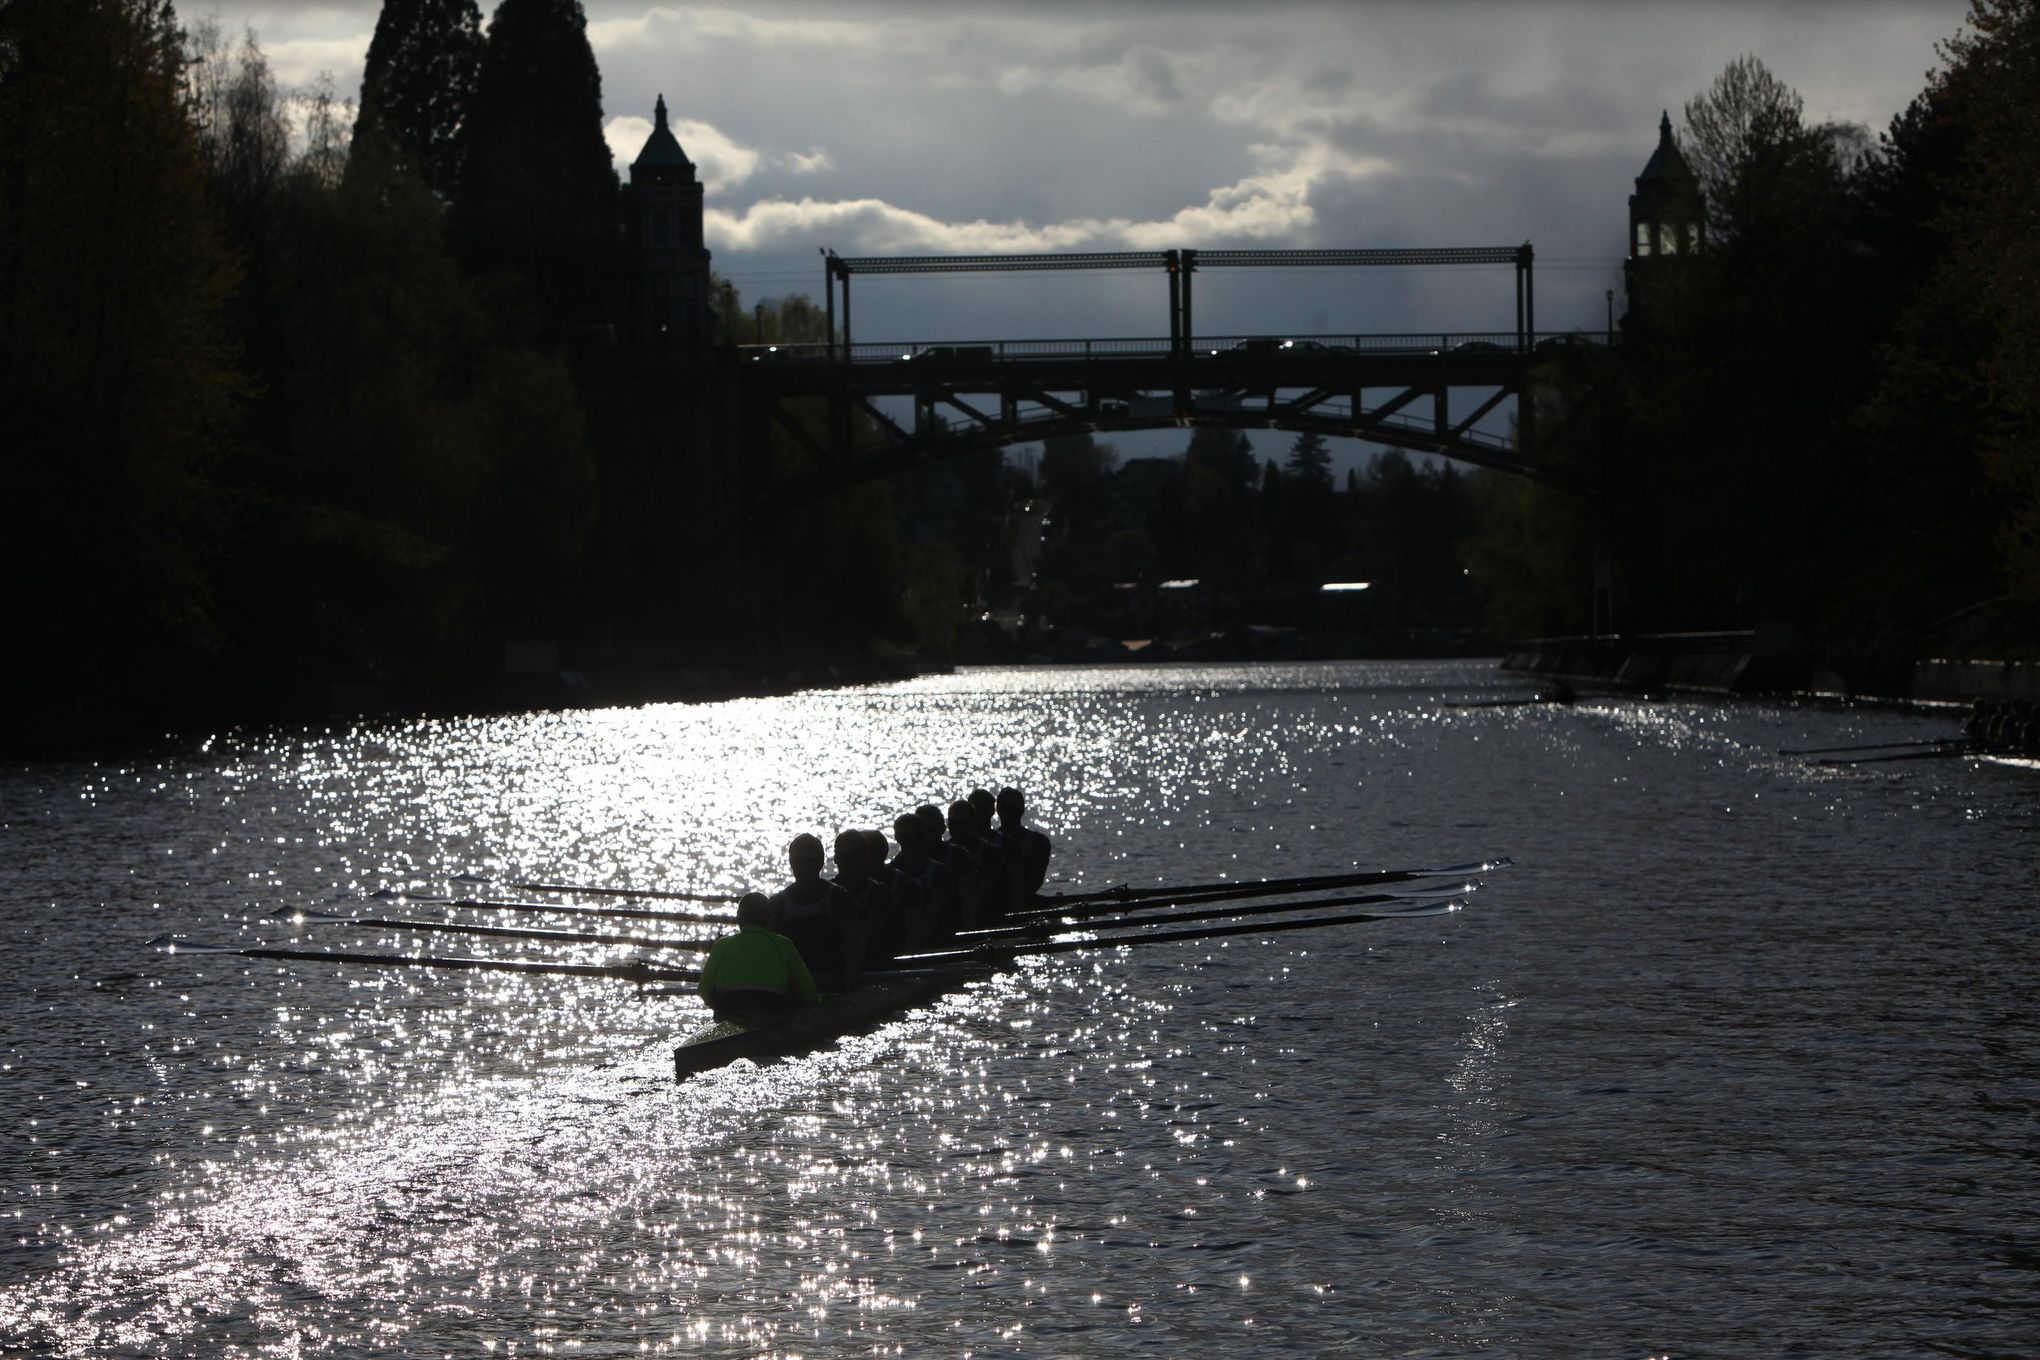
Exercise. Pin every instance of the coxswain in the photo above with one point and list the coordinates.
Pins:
(1026, 850)
(819, 917)
(756, 971)
(878, 915)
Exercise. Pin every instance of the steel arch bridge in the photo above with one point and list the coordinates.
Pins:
(1422, 392)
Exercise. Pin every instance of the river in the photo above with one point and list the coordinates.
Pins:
(1737, 1059)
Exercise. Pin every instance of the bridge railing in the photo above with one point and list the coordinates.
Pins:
(1433, 343)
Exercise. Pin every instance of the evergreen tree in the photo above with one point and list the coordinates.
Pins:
(1227, 455)
(420, 78)
(538, 194)
(1310, 464)
(1992, 223)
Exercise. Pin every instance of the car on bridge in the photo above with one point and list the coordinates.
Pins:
(1268, 344)
(938, 353)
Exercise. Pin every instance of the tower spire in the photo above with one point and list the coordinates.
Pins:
(673, 326)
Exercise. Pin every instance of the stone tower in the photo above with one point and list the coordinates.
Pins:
(673, 310)
(1667, 215)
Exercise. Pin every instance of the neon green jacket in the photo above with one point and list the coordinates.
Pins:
(757, 959)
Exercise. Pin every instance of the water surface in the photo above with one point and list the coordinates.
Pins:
(1738, 1059)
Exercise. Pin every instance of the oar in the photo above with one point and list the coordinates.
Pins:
(560, 909)
(1105, 906)
(1040, 929)
(499, 932)
(592, 890)
(1871, 746)
(1218, 892)
(1506, 703)
(1965, 749)
(634, 971)
(995, 952)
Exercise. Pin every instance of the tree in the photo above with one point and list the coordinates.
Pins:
(538, 194)
(423, 65)
(1758, 346)
(1310, 463)
(1228, 455)
(116, 380)
(1764, 169)
(242, 132)
(1992, 223)
(1075, 470)
(1745, 102)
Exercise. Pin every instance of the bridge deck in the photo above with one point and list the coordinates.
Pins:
(1395, 388)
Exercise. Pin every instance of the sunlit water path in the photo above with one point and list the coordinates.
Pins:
(1739, 1059)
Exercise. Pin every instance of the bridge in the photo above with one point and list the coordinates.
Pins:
(1425, 392)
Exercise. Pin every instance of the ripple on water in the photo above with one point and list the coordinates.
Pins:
(1738, 1058)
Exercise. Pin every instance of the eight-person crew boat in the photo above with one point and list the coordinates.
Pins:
(823, 958)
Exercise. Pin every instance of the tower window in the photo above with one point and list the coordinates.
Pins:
(1643, 239)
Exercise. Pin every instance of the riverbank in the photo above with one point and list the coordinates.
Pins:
(1750, 662)
(530, 676)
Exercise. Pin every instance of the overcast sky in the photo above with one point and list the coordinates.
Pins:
(1114, 124)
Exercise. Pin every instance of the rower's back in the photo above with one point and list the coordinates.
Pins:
(819, 917)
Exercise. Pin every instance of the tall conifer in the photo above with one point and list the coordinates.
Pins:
(538, 194)
(1310, 463)
(420, 77)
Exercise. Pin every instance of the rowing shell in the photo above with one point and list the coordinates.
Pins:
(759, 1037)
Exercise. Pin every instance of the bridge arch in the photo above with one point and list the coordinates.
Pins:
(1426, 394)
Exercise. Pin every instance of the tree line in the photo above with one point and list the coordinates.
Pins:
(303, 391)
(1828, 418)
(1260, 538)
(314, 400)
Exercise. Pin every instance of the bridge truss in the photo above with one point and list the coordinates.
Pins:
(1421, 392)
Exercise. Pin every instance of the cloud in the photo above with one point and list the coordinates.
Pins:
(692, 28)
(1272, 206)
(1142, 82)
(720, 161)
(300, 63)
